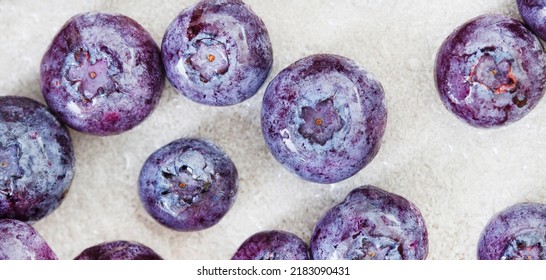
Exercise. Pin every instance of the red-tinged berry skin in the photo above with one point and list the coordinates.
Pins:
(20, 241)
(516, 233)
(217, 52)
(371, 224)
(491, 71)
(102, 74)
(323, 118)
(119, 250)
(188, 185)
(36, 159)
(533, 13)
(272, 245)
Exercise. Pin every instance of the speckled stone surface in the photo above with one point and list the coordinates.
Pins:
(36, 159)
(323, 118)
(370, 224)
(457, 175)
(515, 233)
(102, 73)
(188, 185)
(20, 241)
(217, 52)
(272, 245)
(491, 71)
(118, 250)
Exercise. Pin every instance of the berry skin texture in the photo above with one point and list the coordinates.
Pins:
(36, 159)
(217, 52)
(20, 241)
(188, 185)
(323, 118)
(371, 224)
(118, 250)
(102, 74)
(516, 233)
(534, 14)
(491, 71)
(272, 245)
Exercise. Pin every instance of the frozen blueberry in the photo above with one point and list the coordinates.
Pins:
(491, 71)
(323, 118)
(20, 241)
(533, 13)
(102, 74)
(371, 224)
(516, 233)
(36, 159)
(188, 185)
(217, 52)
(272, 245)
(118, 250)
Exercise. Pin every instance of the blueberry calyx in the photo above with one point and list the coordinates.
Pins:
(209, 59)
(525, 247)
(497, 76)
(320, 122)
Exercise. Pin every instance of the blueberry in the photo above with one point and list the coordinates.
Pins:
(323, 118)
(491, 71)
(371, 224)
(533, 13)
(102, 74)
(188, 185)
(272, 245)
(36, 159)
(118, 250)
(516, 233)
(20, 241)
(217, 52)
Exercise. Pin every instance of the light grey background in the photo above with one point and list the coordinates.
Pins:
(457, 175)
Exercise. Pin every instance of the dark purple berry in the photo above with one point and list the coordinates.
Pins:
(516, 233)
(491, 71)
(272, 245)
(323, 118)
(118, 250)
(217, 52)
(533, 13)
(20, 241)
(188, 185)
(102, 74)
(36, 159)
(371, 224)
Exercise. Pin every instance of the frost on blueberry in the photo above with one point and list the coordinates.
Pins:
(533, 13)
(188, 185)
(371, 224)
(36, 159)
(491, 71)
(20, 241)
(102, 73)
(118, 250)
(217, 52)
(516, 233)
(272, 245)
(323, 118)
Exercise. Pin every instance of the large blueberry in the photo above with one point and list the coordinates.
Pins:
(119, 250)
(36, 159)
(20, 241)
(371, 224)
(188, 185)
(491, 71)
(533, 13)
(323, 118)
(516, 233)
(102, 74)
(217, 52)
(272, 245)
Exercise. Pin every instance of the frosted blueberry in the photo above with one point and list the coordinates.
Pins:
(118, 250)
(20, 241)
(272, 245)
